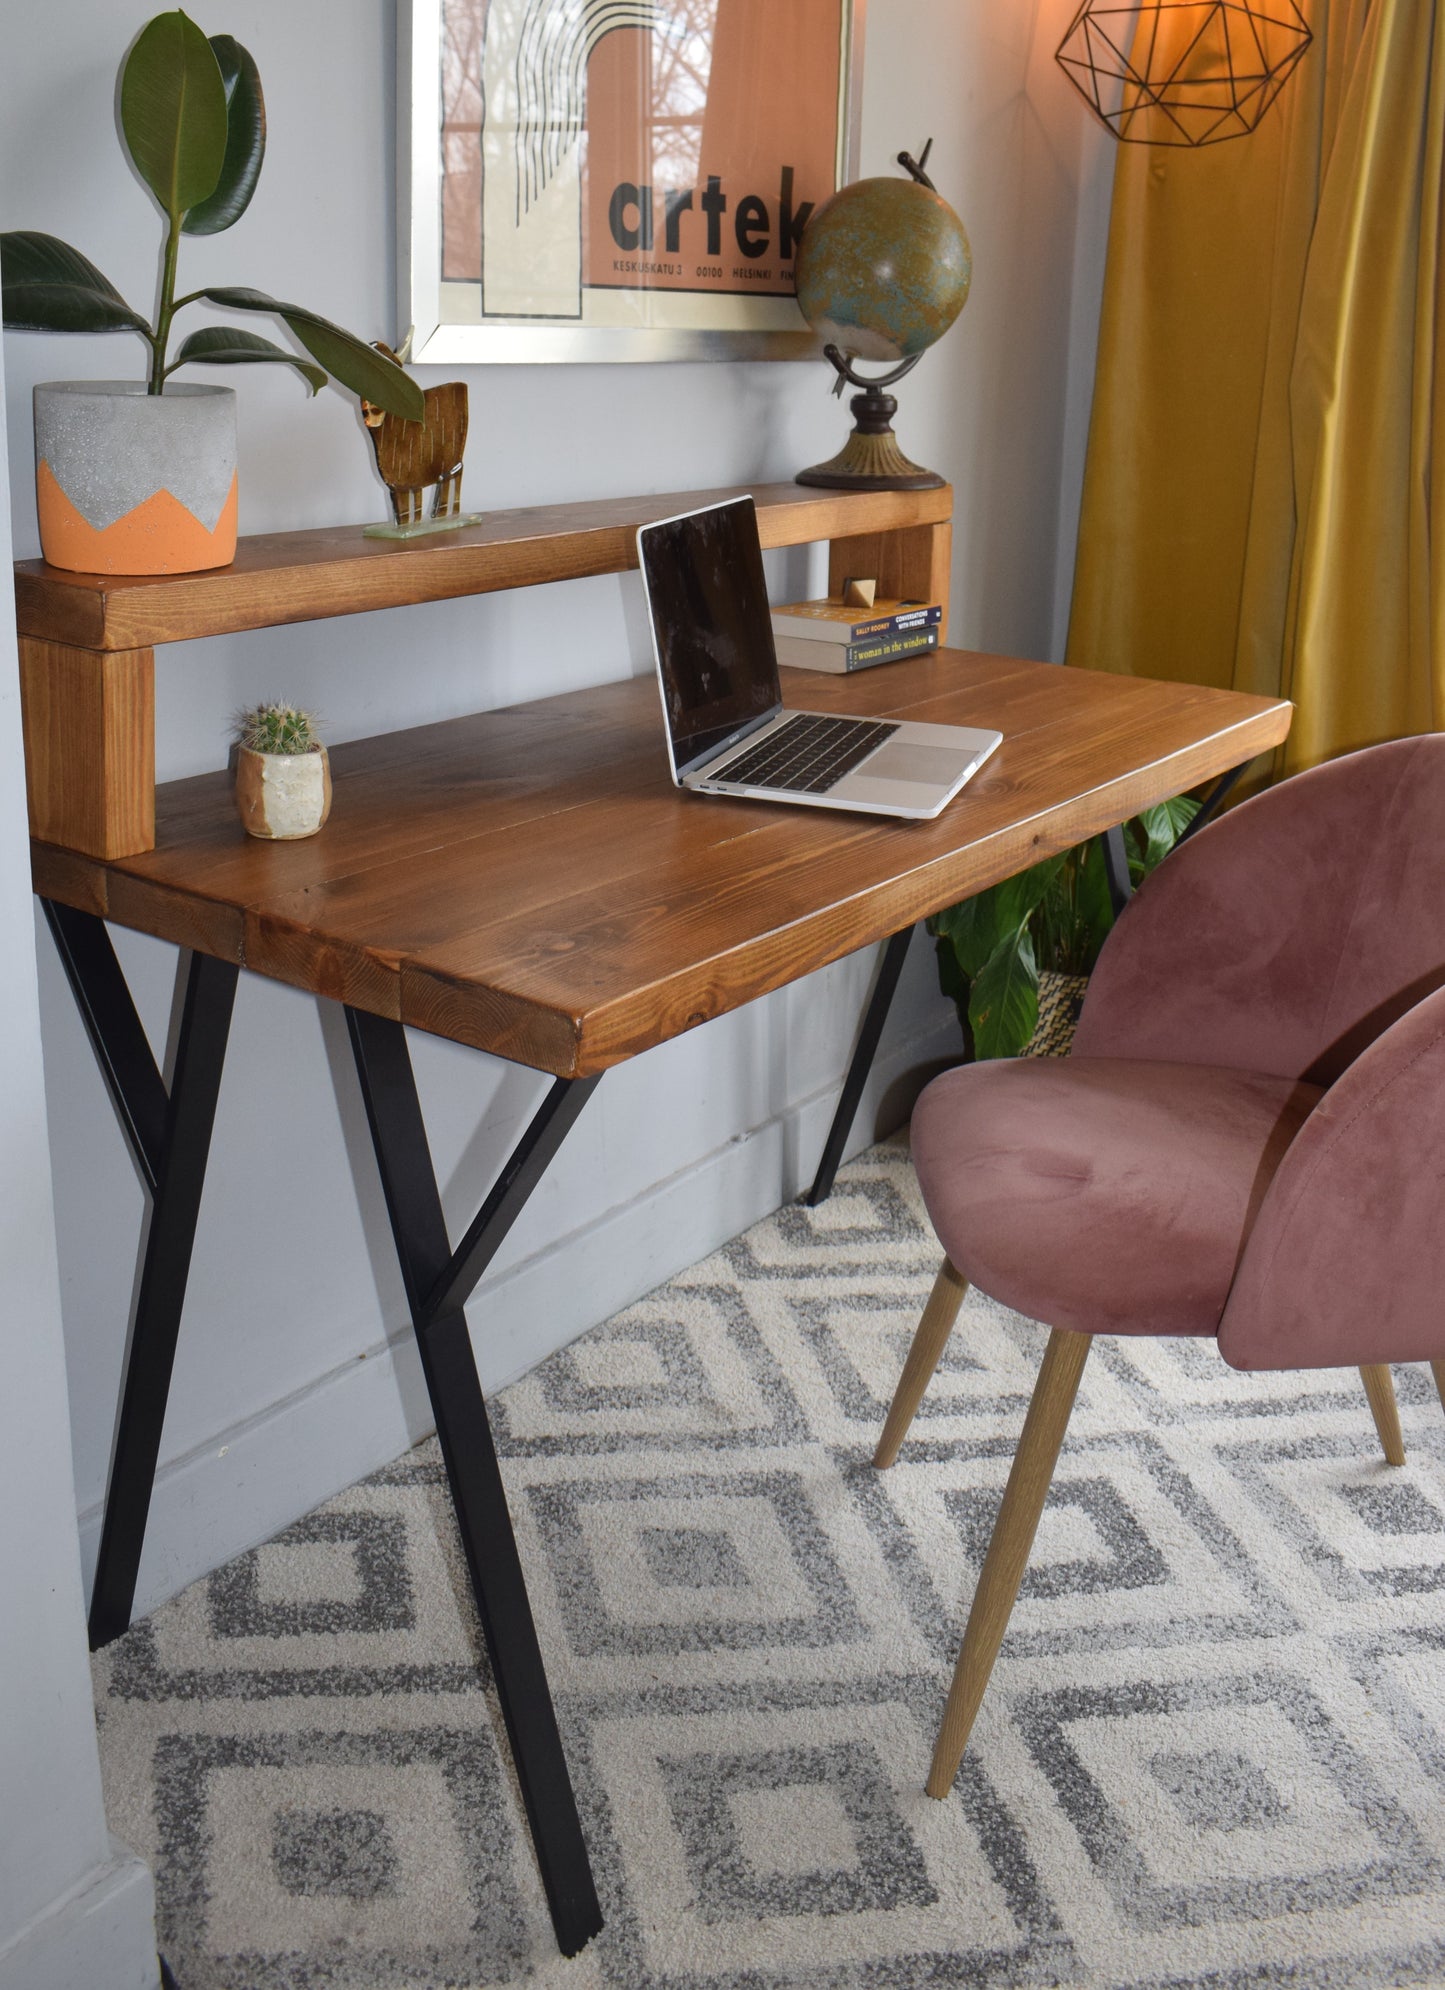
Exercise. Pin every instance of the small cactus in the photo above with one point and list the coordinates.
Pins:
(277, 728)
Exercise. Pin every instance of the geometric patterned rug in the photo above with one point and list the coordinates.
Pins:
(1212, 1753)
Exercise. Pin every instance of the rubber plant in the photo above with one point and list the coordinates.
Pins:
(193, 120)
(1053, 917)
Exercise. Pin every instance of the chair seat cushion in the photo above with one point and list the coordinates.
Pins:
(1103, 1194)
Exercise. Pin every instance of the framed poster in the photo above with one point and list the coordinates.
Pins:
(617, 179)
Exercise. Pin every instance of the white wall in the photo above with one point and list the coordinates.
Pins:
(294, 1374)
(75, 1909)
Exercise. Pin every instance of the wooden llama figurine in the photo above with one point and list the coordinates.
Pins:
(411, 455)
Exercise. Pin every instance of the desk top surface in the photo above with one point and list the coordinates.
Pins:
(529, 881)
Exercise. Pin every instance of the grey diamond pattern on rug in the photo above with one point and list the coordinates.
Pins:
(1212, 1753)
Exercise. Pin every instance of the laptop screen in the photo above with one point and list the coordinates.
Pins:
(711, 626)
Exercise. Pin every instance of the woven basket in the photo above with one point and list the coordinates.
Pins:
(1061, 998)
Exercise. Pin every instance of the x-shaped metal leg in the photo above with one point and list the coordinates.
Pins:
(870, 1030)
(170, 1136)
(169, 1133)
(438, 1280)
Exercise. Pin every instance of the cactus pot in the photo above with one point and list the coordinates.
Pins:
(134, 483)
(283, 795)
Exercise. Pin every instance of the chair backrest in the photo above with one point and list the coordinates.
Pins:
(1286, 936)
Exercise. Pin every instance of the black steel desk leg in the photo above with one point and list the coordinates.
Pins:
(437, 1281)
(122, 1049)
(885, 983)
(195, 1084)
(1212, 802)
(505, 1611)
(1116, 867)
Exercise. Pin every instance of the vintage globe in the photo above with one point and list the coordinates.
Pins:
(883, 269)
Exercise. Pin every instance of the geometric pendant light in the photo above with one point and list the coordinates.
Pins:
(1182, 72)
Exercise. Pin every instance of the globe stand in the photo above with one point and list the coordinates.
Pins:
(871, 459)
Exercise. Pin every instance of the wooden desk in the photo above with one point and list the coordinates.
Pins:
(529, 882)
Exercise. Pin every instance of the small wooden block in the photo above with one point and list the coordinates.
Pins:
(859, 593)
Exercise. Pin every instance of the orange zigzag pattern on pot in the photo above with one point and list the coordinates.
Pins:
(159, 536)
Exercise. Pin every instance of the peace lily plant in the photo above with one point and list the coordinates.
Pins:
(193, 120)
(1052, 919)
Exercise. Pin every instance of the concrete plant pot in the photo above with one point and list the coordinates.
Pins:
(134, 483)
(282, 796)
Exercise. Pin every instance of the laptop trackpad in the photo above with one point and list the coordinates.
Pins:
(935, 766)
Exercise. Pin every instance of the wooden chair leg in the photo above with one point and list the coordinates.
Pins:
(1437, 1369)
(1381, 1392)
(929, 1341)
(1008, 1551)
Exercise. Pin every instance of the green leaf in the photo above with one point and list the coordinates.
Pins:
(1018, 896)
(973, 930)
(1093, 907)
(50, 287)
(950, 978)
(227, 345)
(1181, 810)
(173, 112)
(1058, 912)
(970, 929)
(1134, 845)
(977, 926)
(245, 141)
(1163, 825)
(348, 359)
(1004, 1005)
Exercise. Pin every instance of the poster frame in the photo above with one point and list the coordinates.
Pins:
(419, 247)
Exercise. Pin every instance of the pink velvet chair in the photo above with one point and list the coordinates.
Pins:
(1247, 1139)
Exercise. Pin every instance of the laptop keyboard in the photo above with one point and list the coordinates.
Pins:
(809, 754)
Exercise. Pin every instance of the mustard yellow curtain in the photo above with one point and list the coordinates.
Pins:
(1267, 445)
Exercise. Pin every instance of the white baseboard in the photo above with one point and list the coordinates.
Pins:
(255, 1478)
(101, 1935)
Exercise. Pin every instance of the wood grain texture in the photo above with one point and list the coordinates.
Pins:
(1028, 1485)
(909, 565)
(305, 576)
(930, 1338)
(1380, 1389)
(70, 878)
(89, 725)
(529, 881)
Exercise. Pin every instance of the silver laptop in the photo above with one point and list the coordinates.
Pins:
(727, 731)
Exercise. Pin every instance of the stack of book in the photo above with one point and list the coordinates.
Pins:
(837, 636)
